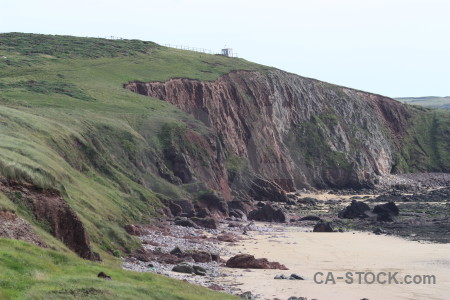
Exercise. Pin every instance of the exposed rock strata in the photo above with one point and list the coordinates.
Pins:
(295, 131)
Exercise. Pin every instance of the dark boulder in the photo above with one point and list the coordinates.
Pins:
(267, 213)
(166, 258)
(386, 212)
(187, 208)
(104, 276)
(188, 269)
(389, 207)
(203, 213)
(201, 256)
(247, 261)
(356, 210)
(183, 268)
(323, 227)
(199, 270)
(174, 208)
(209, 223)
(142, 254)
(239, 205)
(296, 277)
(185, 222)
(238, 214)
(177, 251)
(215, 257)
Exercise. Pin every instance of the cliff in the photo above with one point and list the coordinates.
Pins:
(296, 131)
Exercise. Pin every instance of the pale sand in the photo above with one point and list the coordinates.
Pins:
(306, 253)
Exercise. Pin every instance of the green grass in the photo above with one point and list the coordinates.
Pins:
(434, 102)
(66, 122)
(427, 147)
(29, 272)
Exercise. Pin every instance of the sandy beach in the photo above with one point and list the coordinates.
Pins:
(306, 253)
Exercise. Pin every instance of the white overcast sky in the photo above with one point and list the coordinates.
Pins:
(390, 47)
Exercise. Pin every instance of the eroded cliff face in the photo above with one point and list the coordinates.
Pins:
(48, 208)
(296, 131)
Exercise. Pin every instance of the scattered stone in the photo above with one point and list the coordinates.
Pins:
(280, 277)
(356, 210)
(247, 261)
(323, 227)
(297, 298)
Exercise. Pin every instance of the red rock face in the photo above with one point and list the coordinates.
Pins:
(296, 131)
(48, 206)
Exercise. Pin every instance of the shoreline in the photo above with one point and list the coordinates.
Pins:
(305, 253)
(416, 242)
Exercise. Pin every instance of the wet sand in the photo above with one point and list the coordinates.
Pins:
(306, 253)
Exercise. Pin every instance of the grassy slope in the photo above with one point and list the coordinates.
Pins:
(67, 123)
(427, 147)
(435, 102)
(29, 272)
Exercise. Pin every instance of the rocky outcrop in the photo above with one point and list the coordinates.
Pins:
(322, 226)
(294, 131)
(247, 261)
(356, 209)
(49, 208)
(386, 212)
(267, 213)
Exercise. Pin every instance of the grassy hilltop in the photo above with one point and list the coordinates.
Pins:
(434, 102)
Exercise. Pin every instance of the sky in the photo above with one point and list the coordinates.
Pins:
(390, 47)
